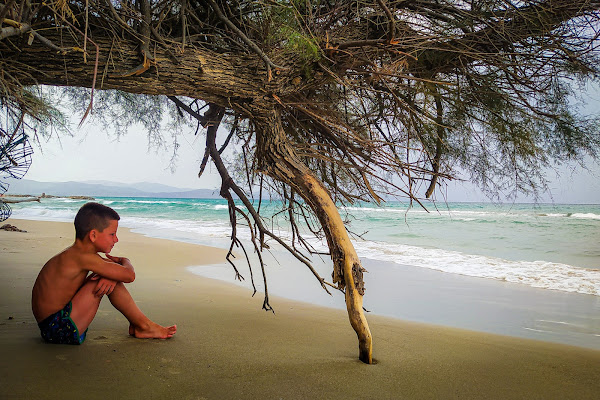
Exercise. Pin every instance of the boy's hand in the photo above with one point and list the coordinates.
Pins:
(104, 286)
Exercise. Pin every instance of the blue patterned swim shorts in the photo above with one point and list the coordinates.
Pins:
(59, 328)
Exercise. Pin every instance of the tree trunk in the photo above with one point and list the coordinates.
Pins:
(279, 161)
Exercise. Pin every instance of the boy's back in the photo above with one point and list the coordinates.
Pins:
(57, 283)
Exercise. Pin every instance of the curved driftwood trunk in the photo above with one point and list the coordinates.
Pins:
(279, 161)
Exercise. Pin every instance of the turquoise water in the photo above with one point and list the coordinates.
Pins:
(546, 246)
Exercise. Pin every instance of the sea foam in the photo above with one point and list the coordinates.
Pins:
(540, 274)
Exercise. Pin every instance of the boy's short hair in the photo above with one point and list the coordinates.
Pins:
(93, 216)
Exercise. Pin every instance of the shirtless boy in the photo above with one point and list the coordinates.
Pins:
(66, 296)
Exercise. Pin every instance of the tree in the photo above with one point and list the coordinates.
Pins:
(15, 159)
(329, 101)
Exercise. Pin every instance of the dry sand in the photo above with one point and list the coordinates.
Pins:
(226, 347)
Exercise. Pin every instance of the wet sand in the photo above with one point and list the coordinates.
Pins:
(423, 295)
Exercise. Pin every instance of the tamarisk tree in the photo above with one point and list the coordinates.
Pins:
(329, 102)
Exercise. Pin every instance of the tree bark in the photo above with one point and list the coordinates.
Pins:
(229, 80)
(279, 161)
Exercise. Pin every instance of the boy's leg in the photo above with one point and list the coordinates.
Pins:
(85, 305)
(140, 325)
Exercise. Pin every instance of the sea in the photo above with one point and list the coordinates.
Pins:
(530, 270)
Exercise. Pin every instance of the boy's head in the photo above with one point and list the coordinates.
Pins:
(93, 216)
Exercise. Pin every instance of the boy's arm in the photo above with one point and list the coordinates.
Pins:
(121, 271)
(105, 286)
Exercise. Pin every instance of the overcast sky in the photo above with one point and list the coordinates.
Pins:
(92, 154)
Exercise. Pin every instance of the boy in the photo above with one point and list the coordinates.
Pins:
(65, 299)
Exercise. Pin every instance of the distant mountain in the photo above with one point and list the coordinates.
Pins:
(143, 186)
(106, 189)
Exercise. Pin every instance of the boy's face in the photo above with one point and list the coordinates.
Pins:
(106, 239)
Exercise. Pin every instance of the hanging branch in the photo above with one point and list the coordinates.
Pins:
(215, 113)
(212, 119)
(201, 118)
(441, 133)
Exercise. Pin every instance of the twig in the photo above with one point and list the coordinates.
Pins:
(4, 10)
(165, 45)
(89, 108)
(244, 38)
(204, 161)
(188, 109)
(48, 43)
(121, 22)
(391, 23)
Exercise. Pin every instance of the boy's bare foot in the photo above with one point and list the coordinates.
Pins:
(153, 331)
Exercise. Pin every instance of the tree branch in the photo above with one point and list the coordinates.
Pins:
(14, 29)
(441, 135)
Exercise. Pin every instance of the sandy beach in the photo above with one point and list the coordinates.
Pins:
(226, 347)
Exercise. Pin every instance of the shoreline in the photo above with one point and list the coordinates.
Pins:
(409, 293)
(227, 347)
(421, 295)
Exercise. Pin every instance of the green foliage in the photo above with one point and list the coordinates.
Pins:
(34, 111)
(505, 141)
(303, 46)
(121, 111)
(286, 32)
